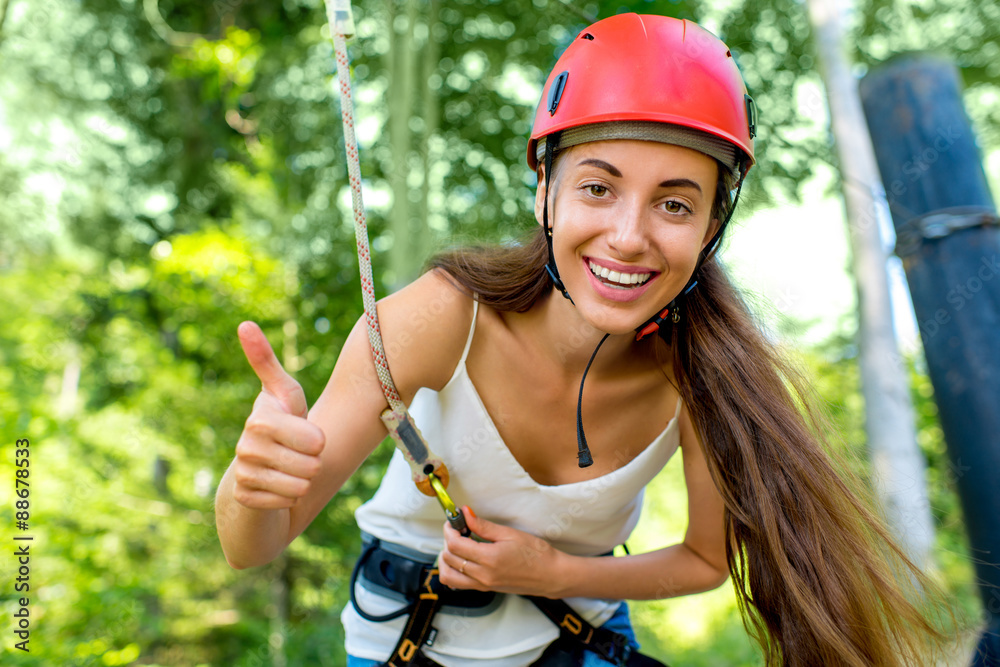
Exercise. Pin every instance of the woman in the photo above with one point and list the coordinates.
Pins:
(643, 134)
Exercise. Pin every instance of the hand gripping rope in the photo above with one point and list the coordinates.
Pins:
(430, 474)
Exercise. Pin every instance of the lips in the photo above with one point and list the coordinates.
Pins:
(616, 282)
(622, 279)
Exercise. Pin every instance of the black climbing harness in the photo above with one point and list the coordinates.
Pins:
(397, 572)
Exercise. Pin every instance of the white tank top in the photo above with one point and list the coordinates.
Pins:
(583, 518)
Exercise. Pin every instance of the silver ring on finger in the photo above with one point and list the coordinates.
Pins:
(465, 562)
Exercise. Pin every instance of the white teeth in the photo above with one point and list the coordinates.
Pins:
(617, 277)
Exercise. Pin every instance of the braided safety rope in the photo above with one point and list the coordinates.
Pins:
(341, 27)
(424, 464)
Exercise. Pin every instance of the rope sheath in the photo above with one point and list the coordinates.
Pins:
(360, 224)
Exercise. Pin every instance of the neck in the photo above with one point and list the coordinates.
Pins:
(569, 341)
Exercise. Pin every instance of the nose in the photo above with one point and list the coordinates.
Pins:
(628, 237)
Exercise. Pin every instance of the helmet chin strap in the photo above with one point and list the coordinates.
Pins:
(551, 144)
(583, 455)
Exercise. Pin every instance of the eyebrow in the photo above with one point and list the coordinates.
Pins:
(601, 164)
(611, 169)
(681, 183)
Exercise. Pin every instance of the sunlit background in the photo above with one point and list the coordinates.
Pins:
(169, 169)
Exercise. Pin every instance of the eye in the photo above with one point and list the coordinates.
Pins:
(596, 189)
(673, 206)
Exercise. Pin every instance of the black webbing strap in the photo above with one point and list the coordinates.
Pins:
(575, 631)
(409, 650)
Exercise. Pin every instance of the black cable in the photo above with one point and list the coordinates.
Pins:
(583, 451)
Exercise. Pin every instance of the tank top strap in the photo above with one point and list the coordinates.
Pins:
(468, 341)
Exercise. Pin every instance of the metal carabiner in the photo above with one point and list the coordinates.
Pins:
(451, 512)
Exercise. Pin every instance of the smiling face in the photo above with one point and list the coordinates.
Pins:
(628, 220)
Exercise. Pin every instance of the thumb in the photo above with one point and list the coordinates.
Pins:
(274, 378)
(483, 528)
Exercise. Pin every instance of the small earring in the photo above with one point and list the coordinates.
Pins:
(675, 317)
(550, 232)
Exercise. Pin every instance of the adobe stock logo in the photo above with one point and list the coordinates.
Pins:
(961, 294)
(921, 162)
(964, 292)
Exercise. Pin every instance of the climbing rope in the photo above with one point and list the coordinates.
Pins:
(429, 472)
(341, 27)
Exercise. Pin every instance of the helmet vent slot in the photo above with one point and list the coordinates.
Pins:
(751, 115)
(556, 92)
(588, 36)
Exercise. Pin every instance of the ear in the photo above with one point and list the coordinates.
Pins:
(540, 194)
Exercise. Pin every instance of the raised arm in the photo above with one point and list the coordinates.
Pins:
(289, 461)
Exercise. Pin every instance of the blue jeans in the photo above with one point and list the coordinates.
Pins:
(619, 622)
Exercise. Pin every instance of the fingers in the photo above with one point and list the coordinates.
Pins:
(463, 547)
(456, 572)
(269, 424)
(484, 529)
(458, 548)
(277, 456)
(262, 500)
(269, 454)
(255, 482)
(274, 378)
(501, 542)
(512, 562)
(268, 475)
(459, 559)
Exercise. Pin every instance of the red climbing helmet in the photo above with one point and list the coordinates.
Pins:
(626, 76)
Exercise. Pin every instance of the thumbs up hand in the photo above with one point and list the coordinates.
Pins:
(278, 454)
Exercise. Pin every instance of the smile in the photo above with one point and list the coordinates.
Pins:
(616, 279)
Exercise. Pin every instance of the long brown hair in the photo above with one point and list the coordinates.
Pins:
(818, 578)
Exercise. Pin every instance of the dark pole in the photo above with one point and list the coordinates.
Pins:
(949, 241)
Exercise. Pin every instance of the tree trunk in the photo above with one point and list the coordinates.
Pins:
(402, 85)
(432, 120)
(68, 402)
(898, 464)
(3, 16)
(281, 583)
(948, 237)
(279, 618)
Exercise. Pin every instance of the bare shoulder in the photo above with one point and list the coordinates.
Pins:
(424, 328)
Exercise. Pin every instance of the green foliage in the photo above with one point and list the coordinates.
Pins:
(169, 170)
